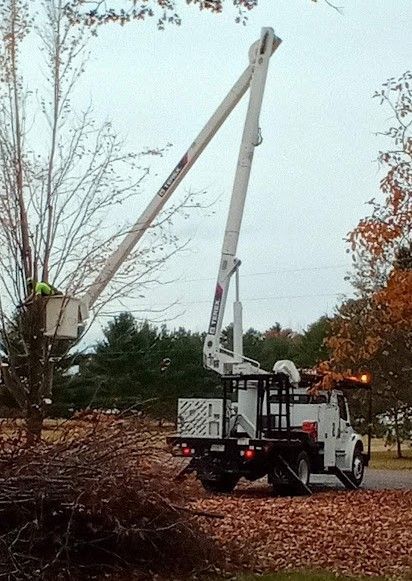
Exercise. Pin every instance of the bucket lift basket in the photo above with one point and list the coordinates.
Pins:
(62, 317)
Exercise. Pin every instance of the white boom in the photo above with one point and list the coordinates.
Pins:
(259, 54)
(216, 357)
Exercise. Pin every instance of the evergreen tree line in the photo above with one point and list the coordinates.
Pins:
(140, 365)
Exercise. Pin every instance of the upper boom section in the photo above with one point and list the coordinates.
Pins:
(115, 261)
(215, 357)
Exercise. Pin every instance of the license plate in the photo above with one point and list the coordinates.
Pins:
(217, 448)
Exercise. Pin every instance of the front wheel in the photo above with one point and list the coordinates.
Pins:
(358, 468)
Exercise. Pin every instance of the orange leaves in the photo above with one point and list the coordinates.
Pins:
(355, 334)
(362, 328)
(391, 219)
(382, 247)
(329, 377)
(395, 300)
(376, 234)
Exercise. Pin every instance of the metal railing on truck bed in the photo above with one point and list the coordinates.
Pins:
(269, 425)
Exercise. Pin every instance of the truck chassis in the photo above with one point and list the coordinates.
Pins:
(286, 454)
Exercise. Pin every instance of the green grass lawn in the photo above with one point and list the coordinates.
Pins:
(386, 459)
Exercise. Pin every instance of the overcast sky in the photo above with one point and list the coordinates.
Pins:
(314, 170)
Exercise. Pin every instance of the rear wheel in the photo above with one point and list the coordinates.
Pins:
(278, 479)
(301, 467)
(223, 483)
(283, 484)
(282, 489)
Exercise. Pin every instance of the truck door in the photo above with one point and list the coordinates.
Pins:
(331, 423)
(345, 430)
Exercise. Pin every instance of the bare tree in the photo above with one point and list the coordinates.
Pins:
(94, 13)
(62, 180)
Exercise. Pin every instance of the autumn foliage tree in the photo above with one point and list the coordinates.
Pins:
(375, 329)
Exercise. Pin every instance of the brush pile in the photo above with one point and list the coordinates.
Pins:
(96, 501)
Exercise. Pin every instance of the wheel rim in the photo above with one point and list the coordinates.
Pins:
(303, 471)
(357, 467)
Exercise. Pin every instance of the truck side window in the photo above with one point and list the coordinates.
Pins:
(342, 408)
(318, 399)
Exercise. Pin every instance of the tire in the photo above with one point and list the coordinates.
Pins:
(282, 489)
(224, 483)
(358, 467)
(301, 466)
(280, 486)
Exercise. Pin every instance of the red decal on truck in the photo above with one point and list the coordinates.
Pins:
(215, 310)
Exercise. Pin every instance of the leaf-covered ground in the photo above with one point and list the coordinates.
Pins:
(362, 533)
(107, 485)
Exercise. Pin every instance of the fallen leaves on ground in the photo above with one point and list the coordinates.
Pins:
(363, 533)
(116, 476)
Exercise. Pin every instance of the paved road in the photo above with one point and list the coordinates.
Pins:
(379, 479)
(374, 479)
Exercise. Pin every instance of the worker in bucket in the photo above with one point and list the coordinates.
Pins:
(39, 289)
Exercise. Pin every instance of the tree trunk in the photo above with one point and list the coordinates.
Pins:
(397, 435)
(34, 423)
(37, 364)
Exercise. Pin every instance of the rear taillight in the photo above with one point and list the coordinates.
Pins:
(249, 454)
(187, 452)
(311, 428)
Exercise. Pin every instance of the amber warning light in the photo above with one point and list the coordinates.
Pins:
(365, 377)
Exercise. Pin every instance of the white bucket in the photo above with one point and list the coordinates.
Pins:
(62, 317)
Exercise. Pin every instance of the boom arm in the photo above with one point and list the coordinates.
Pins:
(215, 357)
(268, 43)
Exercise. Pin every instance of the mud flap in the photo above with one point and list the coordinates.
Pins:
(344, 478)
(189, 469)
